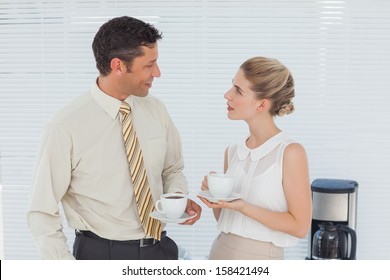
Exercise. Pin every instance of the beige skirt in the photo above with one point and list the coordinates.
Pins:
(228, 246)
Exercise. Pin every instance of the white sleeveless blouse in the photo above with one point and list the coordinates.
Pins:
(258, 177)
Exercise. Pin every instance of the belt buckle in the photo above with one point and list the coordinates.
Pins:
(147, 242)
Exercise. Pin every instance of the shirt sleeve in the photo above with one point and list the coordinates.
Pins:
(51, 181)
(172, 175)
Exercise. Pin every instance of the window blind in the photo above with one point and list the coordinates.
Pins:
(338, 52)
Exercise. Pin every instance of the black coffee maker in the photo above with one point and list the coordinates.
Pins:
(333, 228)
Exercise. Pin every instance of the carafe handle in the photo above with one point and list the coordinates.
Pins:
(343, 233)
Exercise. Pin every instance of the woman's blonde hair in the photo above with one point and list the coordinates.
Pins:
(271, 80)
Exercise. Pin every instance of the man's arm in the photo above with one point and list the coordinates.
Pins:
(51, 181)
(172, 176)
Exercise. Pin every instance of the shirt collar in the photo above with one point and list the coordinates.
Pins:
(262, 150)
(108, 103)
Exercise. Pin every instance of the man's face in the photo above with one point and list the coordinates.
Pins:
(143, 70)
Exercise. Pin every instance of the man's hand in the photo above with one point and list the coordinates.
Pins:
(191, 209)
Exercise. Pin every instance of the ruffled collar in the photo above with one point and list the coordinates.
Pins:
(261, 151)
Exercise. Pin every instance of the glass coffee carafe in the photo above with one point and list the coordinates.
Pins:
(331, 242)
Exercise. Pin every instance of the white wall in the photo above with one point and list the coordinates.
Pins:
(338, 52)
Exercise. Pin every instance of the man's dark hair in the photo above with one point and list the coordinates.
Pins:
(122, 37)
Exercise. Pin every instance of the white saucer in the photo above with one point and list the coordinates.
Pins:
(209, 197)
(160, 216)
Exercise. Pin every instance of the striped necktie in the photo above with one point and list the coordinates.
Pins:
(142, 193)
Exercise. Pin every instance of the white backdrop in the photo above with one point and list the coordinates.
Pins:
(338, 52)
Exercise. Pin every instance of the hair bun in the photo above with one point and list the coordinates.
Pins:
(286, 109)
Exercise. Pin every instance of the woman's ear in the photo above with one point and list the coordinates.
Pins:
(264, 105)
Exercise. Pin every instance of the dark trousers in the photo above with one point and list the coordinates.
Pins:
(89, 246)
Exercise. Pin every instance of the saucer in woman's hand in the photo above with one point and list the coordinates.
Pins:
(207, 195)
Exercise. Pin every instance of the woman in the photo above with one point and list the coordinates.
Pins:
(270, 169)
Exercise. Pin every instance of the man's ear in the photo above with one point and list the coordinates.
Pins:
(117, 66)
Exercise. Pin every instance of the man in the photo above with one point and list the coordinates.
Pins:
(86, 159)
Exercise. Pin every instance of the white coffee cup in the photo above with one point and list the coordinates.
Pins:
(172, 205)
(220, 185)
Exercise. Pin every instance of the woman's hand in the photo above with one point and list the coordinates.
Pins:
(205, 185)
(237, 204)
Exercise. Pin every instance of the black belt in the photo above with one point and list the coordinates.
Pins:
(138, 242)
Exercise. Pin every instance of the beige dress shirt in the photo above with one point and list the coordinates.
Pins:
(82, 164)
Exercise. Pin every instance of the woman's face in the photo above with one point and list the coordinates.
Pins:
(241, 100)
